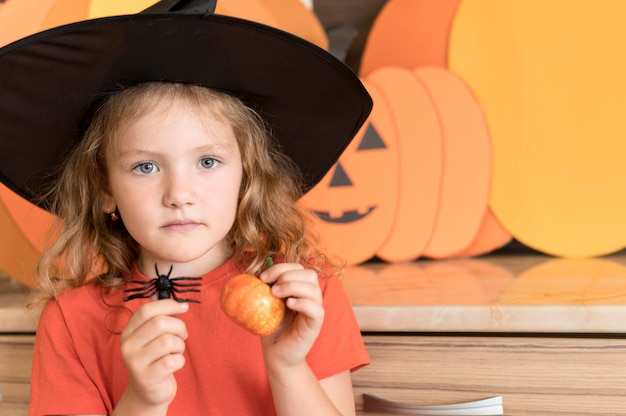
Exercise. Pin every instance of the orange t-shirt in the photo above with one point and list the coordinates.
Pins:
(78, 367)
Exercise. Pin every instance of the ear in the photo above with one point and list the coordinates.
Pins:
(108, 202)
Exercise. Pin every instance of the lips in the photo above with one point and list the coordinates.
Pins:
(181, 225)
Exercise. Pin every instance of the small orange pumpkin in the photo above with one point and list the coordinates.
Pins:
(249, 302)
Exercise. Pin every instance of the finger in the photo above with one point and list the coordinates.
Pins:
(157, 349)
(273, 273)
(307, 308)
(168, 364)
(308, 289)
(153, 329)
(149, 310)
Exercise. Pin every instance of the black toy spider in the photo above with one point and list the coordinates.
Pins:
(164, 287)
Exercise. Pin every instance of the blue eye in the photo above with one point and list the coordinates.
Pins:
(208, 163)
(145, 168)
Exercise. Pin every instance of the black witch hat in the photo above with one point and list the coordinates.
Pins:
(50, 83)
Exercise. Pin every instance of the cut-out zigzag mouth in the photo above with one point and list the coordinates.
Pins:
(346, 217)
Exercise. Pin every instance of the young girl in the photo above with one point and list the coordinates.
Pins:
(174, 173)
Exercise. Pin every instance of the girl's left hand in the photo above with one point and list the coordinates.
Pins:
(290, 344)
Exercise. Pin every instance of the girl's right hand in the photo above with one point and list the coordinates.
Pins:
(153, 343)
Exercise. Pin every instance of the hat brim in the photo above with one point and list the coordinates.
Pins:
(312, 102)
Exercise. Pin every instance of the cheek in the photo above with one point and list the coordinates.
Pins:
(136, 215)
(226, 198)
(133, 204)
(220, 194)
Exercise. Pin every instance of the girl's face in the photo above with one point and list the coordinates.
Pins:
(174, 177)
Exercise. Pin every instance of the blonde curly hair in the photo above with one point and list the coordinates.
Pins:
(86, 244)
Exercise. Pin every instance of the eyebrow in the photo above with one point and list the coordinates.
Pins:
(205, 149)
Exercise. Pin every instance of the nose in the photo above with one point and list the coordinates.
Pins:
(179, 190)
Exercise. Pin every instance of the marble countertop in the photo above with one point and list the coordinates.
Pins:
(495, 293)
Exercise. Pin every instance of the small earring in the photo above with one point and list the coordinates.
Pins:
(114, 216)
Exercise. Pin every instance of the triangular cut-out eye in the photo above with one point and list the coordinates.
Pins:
(340, 177)
(371, 139)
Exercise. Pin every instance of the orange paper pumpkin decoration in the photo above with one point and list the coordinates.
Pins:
(491, 236)
(357, 200)
(419, 163)
(440, 160)
(23, 228)
(289, 15)
(550, 78)
(409, 34)
(419, 31)
(466, 165)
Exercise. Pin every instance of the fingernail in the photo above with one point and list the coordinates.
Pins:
(184, 306)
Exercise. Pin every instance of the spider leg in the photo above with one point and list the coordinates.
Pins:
(185, 290)
(143, 294)
(177, 284)
(177, 287)
(156, 269)
(177, 299)
(144, 291)
(141, 282)
(176, 279)
(140, 288)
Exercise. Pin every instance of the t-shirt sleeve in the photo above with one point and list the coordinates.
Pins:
(59, 382)
(339, 347)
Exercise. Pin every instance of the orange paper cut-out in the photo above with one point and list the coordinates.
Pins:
(420, 157)
(466, 165)
(21, 18)
(289, 15)
(438, 152)
(550, 79)
(24, 231)
(410, 34)
(357, 200)
(491, 235)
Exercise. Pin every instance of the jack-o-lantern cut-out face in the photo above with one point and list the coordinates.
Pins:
(356, 200)
(369, 141)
